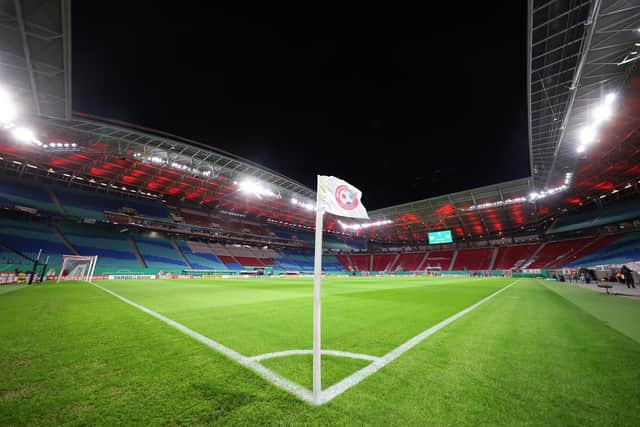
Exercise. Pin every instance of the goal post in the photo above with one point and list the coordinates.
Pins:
(75, 267)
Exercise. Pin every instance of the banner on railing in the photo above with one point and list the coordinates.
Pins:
(131, 276)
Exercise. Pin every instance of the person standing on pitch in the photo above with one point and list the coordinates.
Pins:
(628, 276)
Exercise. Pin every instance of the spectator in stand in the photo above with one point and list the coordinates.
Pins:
(628, 276)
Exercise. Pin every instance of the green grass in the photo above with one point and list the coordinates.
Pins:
(73, 354)
(10, 288)
(622, 314)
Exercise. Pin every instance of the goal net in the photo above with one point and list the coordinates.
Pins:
(77, 268)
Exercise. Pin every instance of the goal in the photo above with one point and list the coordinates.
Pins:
(433, 271)
(76, 267)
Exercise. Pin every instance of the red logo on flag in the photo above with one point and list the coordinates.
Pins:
(346, 198)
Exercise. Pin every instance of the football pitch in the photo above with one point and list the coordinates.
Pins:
(435, 350)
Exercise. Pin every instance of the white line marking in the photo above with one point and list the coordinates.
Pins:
(279, 381)
(297, 390)
(344, 385)
(305, 352)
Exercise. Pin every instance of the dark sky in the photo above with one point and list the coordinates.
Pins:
(405, 103)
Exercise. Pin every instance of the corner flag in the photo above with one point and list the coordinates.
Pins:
(340, 198)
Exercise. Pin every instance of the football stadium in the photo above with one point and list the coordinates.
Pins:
(150, 279)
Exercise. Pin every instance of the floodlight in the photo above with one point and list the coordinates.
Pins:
(248, 187)
(294, 201)
(581, 148)
(7, 111)
(602, 113)
(608, 100)
(23, 134)
(587, 135)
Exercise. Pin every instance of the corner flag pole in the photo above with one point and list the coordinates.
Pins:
(317, 276)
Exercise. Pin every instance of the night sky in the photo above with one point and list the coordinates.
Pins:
(405, 103)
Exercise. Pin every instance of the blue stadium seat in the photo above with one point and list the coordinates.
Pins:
(200, 260)
(87, 204)
(159, 254)
(624, 249)
(37, 197)
(29, 237)
(115, 255)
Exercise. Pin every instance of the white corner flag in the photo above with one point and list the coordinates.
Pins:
(343, 199)
(340, 198)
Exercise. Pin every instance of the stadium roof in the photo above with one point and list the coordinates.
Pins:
(35, 55)
(480, 212)
(579, 51)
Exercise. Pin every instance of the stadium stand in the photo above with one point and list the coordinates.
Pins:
(553, 253)
(304, 261)
(409, 261)
(473, 259)
(115, 255)
(382, 262)
(361, 262)
(440, 259)
(200, 255)
(622, 250)
(328, 242)
(28, 237)
(513, 257)
(331, 264)
(593, 245)
(14, 194)
(159, 254)
(620, 211)
(86, 204)
(230, 262)
(195, 218)
(344, 261)
(284, 264)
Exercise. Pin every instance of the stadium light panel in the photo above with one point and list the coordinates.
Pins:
(602, 112)
(294, 201)
(7, 110)
(608, 100)
(249, 187)
(23, 134)
(581, 149)
(587, 135)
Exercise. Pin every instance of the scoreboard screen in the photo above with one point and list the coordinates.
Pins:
(438, 237)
